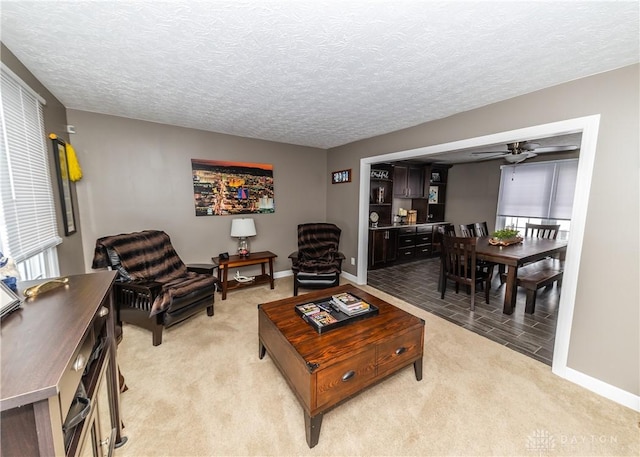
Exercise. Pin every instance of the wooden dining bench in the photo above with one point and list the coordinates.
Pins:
(535, 276)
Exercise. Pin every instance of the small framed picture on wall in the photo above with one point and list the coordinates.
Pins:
(341, 176)
(433, 194)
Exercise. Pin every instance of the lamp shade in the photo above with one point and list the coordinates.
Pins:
(243, 227)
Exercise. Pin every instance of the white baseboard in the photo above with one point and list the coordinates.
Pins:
(282, 274)
(603, 389)
(350, 277)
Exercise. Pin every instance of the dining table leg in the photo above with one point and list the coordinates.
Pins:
(510, 290)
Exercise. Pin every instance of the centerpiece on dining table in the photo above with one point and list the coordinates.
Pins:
(505, 237)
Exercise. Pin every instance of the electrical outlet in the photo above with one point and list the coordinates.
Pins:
(353, 260)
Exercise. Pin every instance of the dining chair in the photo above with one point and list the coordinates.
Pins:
(467, 230)
(478, 229)
(549, 231)
(441, 231)
(481, 228)
(459, 265)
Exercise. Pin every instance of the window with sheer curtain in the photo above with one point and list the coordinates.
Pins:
(29, 231)
(539, 193)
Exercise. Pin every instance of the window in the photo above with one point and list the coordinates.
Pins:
(29, 231)
(539, 193)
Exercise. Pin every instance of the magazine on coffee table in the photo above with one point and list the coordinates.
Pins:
(324, 314)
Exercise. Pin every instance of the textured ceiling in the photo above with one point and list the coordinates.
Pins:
(317, 73)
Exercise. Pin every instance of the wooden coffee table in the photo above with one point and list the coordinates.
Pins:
(326, 369)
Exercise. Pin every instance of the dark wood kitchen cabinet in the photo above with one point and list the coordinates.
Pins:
(437, 195)
(383, 247)
(432, 207)
(408, 181)
(380, 195)
(415, 242)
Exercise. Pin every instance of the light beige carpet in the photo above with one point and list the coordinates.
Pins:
(205, 392)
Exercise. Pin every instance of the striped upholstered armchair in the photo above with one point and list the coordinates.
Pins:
(154, 288)
(317, 263)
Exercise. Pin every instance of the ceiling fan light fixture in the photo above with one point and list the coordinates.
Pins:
(516, 158)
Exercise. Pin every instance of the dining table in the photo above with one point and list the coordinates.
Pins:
(516, 255)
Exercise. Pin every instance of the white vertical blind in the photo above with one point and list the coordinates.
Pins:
(27, 208)
(566, 174)
(538, 190)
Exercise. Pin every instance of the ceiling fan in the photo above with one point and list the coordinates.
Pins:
(522, 150)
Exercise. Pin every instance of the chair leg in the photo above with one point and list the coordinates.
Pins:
(473, 296)
(157, 335)
(531, 301)
(443, 286)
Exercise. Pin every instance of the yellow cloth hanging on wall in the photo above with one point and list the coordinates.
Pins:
(75, 172)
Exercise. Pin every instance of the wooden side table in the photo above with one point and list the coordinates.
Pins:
(202, 268)
(235, 261)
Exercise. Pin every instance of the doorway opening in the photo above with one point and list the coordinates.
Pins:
(588, 126)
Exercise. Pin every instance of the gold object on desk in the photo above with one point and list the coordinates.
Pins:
(34, 291)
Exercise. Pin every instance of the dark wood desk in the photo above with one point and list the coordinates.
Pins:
(46, 346)
(514, 256)
(235, 261)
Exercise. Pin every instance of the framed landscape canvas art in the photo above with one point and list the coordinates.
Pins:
(226, 188)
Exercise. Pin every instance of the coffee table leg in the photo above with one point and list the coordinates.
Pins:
(417, 367)
(261, 351)
(312, 428)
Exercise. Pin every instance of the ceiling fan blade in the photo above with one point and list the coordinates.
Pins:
(490, 152)
(526, 146)
(557, 148)
(499, 154)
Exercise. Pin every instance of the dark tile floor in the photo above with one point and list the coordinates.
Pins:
(532, 335)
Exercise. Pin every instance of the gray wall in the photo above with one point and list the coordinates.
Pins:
(55, 121)
(605, 337)
(472, 193)
(137, 175)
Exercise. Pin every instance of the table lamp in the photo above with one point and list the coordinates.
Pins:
(242, 229)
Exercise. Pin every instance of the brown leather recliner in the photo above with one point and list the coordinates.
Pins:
(154, 288)
(317, 264)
